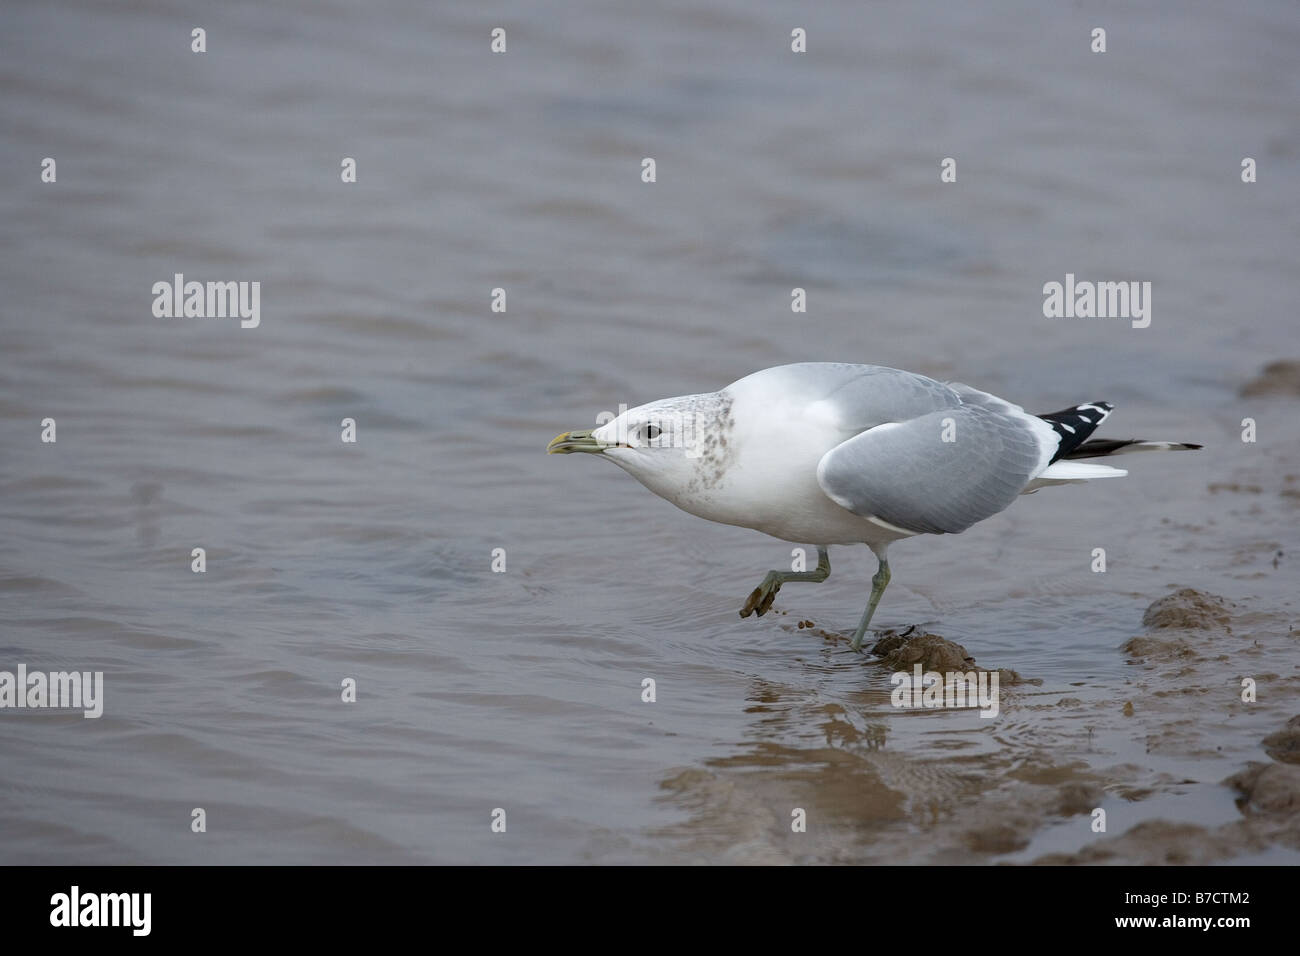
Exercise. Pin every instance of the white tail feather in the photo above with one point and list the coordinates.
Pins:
(1068, 472)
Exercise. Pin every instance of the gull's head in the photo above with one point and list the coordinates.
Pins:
(662, 444)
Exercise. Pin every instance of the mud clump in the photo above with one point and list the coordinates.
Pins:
(1268, 789)
(997, 839)
(903, 650)
(1276, 378)
(1078, 797)
(1284, 745)
(1188, 608)
(1144, 647)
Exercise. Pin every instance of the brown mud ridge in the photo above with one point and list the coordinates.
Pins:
(903, 650)
(1185, 766)
(1277, 378)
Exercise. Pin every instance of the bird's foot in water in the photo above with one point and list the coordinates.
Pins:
(886, 639)
(760, 599)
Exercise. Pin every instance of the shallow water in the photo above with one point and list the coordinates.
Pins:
(372, 561)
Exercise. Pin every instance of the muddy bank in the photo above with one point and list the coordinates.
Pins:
(1207, 668)
(1194, 759)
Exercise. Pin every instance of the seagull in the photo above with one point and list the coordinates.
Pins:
(829, 453)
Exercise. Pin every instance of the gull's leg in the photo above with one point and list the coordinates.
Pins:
(879, 581)
(760, 599)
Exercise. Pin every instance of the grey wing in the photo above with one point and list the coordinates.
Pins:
(906, 474)
(863, 396)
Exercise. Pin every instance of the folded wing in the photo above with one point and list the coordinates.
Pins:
(943, 471)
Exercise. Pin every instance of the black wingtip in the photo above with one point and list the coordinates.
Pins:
(1074, 425)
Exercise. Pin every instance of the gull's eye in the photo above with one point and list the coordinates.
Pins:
(652, 432)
